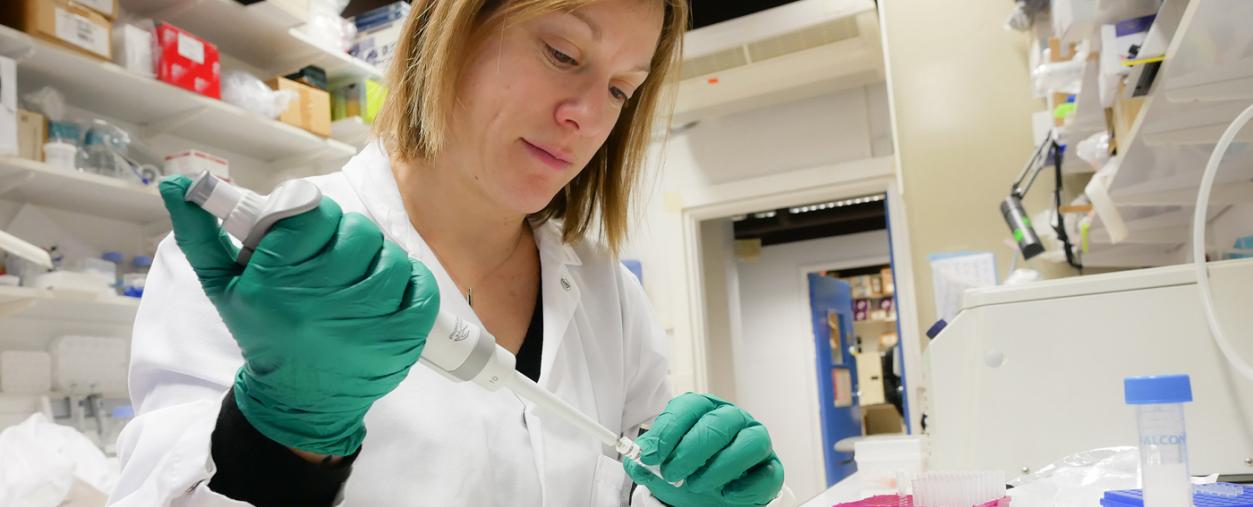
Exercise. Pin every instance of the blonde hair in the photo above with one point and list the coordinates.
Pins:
(438, 38)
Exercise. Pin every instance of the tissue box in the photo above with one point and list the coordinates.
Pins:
(25, 372)
(65, 23)
(194, 162)
(310, 111)
(187, 61)
(8, 107)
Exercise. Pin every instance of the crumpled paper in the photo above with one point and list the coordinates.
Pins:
(40, 461)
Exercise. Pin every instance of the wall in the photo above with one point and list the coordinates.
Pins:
(840, 127)
(722, 305)
(774, 375)
(958, 83)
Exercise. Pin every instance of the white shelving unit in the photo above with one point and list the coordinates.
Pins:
(263, 38)
(262, 35)
(1204, 82)
(160, 108)
(93, 194)
(34, 303)
(353, 131)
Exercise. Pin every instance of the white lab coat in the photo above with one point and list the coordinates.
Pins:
(431, 441)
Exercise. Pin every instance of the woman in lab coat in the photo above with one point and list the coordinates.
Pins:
(513, 129)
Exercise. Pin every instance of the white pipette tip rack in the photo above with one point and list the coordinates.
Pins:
(958, 489)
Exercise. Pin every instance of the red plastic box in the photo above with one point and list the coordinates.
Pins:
(188, 61)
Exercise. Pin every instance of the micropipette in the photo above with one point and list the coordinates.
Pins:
(455, 348)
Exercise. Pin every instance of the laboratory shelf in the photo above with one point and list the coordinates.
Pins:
(159, 108)
(263, 35)
(1204, 82)
(353, 131)
(41, 184)
(43, 304)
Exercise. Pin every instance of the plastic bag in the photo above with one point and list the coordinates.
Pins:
(1079, 480)
(326, 26)
(1094, 150)
(1060, 77)
(47, 101)
(249, 92)
(40, 460)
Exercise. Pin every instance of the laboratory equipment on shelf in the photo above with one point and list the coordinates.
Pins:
(1025, 375)
(103, 151)
(1049, 151)
(455, 348)
(1163, 441)
(60, 154)
(117, 258)
(133, 282)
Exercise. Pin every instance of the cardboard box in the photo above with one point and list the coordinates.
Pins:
(187, 61)
(310, 111)
(32, 133)
(194, 162)
(1122, 116)
(61, 22)
(8, 106)
(106, 8)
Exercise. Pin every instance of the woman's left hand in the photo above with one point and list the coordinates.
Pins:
(722, 455)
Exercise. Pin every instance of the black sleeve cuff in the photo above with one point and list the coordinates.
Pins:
(252, 468)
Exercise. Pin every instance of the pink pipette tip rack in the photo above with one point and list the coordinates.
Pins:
(908, 501)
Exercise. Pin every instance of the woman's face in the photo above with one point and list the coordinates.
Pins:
(538, 99)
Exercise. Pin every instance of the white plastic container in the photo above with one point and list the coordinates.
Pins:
(887, 465)
(60, 155)
(25, 372)
(1163, 440)
(90, 364)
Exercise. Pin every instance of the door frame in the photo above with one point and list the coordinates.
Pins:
(794, 188)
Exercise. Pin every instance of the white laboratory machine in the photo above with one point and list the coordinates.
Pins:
(1026, 375)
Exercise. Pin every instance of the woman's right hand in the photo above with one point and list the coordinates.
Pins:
(328, 314)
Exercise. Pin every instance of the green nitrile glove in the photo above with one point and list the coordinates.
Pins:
(722, 455)
(329, 316)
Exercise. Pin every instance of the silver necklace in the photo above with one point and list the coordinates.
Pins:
(470, 290)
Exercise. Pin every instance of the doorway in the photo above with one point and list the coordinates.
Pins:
(762, 348)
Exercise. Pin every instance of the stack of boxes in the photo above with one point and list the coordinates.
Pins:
(175, 56)
(873, 296)
(378, 32)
